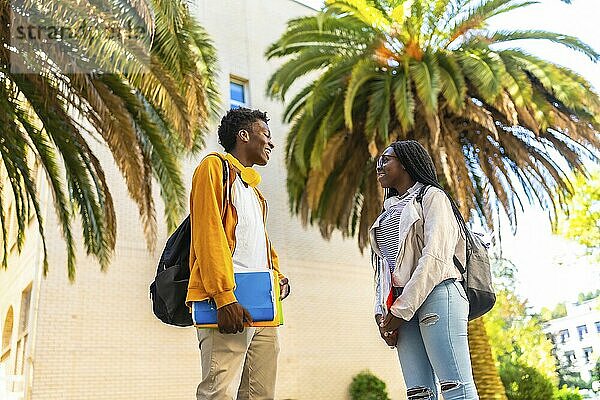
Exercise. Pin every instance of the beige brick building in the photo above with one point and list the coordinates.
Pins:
(98, 339)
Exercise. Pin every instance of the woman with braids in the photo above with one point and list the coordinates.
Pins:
(421, 307)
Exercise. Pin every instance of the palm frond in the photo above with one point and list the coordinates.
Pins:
(148, 101)
(363, 71)
(571, 42)
(404, 103)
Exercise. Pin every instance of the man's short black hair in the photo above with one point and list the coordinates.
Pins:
(234, 121)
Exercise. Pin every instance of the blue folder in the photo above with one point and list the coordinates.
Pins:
(253, 290)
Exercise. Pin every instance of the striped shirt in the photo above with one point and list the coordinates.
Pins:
(386, 234)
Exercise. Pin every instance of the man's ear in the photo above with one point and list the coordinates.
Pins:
(244, 135)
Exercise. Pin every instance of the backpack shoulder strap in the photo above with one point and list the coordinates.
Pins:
(421, 194)
(226, 181)
(458, 265)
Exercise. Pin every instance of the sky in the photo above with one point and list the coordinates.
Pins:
(550, 268)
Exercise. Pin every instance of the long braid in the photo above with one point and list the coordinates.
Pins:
(419, 165)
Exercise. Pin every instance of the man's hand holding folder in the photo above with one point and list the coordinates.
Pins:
(258, 295)
(230, 318)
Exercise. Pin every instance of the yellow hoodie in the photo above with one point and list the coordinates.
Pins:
(213, 234)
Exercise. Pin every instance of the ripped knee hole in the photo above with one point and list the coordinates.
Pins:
(449, 385)
(430, 319)
(419, 393)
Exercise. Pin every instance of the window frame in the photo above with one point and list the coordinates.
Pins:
(245, 91)
(564, 335)
(23, 330)
(570, 357)
(587, 354)
(581, 331)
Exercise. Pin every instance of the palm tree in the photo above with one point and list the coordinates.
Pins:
(499, 123)
(485, 371)
(146, 99)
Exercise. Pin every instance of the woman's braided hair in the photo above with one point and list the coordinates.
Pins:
(419, 165)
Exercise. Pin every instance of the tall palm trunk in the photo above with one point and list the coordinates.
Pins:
(485, 372)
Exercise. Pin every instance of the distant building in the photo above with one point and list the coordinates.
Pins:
(97, 339)
(577, 337)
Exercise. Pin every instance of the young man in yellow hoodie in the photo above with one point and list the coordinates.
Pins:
(229, 234)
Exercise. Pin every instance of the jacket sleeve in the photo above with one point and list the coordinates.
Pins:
(440, 236)
(213, 255)
(275, 261)
(377, 306)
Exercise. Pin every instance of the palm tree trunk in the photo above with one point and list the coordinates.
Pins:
(487, 379)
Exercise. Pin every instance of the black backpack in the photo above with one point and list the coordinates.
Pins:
(169, 289)
(477, 276)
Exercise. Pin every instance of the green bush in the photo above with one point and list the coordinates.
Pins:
(522, 382)
(567, 377)
(596, 371)
(366, 386)
(567, 393)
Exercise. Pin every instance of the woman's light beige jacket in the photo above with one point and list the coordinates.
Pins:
(429, 237)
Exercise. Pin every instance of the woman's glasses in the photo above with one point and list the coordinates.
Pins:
(383, 159)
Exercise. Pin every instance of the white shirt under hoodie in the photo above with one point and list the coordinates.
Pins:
(428, 238)
(250, 240)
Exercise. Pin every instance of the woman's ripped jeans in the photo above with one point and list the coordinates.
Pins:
(433, 347)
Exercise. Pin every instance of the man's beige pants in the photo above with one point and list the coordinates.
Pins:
(240, 366)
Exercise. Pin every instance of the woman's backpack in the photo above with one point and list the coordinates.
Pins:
(477, 276)
(169, 289)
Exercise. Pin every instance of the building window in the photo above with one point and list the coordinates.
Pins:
(597, 326)
(587, 354)
(238, 93)
(570, 356)
(6, 335)
(23, 331)
(582, 330)
(564, 335)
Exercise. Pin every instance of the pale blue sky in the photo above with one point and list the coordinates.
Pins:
(550, 268)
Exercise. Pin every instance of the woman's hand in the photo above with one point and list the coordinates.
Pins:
(390, 338)
(390, 323)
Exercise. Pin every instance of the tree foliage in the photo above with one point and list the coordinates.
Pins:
(582, 222)
(567, 393)
(516, 337)
(569, 377)
(144, 107)
(583, 297)
(559, 311)
(523, 382)
(502, 125)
